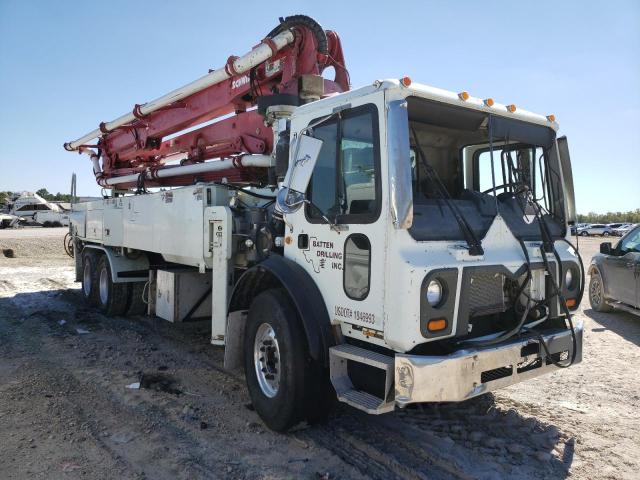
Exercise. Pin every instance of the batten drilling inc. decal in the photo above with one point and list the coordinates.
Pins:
(321, 255)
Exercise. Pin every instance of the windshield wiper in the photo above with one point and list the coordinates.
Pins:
(475, 246)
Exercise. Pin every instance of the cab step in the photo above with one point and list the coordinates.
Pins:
(347, 393)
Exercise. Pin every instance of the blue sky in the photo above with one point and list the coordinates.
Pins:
(65, 66)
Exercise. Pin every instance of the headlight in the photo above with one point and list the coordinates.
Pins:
(568, 279)
(434, 293)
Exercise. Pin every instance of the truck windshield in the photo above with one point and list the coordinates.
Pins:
(486, 163)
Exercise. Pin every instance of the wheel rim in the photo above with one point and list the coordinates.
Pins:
(596, 291)
(104, 286)
(86, 279)
(266, 358)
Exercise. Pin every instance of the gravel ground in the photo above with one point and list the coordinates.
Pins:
(66, 411)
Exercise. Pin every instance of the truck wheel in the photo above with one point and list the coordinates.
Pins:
(113, 298)
(89, 277)
(275, 360)
(596, 294)
(136, 303)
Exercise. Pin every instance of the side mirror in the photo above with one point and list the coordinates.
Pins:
(605, 248)
(400, 189)
(567, 175)
(292, 195)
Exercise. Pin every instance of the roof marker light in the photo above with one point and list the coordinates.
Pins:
(488, 102)
(464, 96)
(405, 81)
(511, 108)
(551, 118)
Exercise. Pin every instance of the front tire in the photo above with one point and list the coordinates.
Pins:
(596, 294)
(113, 298)
(584, 234)
(275, 360)
(606, 234)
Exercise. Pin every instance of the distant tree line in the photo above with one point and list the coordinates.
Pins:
(58, 197)
(632, 216)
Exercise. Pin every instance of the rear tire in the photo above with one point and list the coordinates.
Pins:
(584, 234)
(113, 298)
(596, 294)
(89, 279)
(606, 234)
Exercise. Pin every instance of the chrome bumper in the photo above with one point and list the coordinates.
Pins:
(471, 372)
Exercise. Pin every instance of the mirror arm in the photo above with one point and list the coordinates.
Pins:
(334, 226)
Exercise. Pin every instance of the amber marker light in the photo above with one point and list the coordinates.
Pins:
(489, 102)
(551, 118)
(571, 302)
(405, 81)
(511, 108)
(288, 240)
(437, 324)
(464, 96)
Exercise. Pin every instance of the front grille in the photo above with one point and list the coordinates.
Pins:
(486, 294)
(532, 365)
(558, 357)
(496, 374)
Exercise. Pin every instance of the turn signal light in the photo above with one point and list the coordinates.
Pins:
(405, 81)
(571, 302)
(436, 324)
(511, 108)
(551, 118)
(488, 102)
(464, 96)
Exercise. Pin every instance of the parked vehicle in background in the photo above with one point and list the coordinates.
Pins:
(9, 221)
(615, 225)
(615, 275)
(28, 204)
(48, 218)
(622, 230)
(576, 227)
(595, 229)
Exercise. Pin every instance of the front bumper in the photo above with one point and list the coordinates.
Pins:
(471, 372)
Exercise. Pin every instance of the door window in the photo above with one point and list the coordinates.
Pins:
(631, 243)
(357, 266)
(345, 184)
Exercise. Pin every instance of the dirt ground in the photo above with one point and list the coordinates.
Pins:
(66, 411)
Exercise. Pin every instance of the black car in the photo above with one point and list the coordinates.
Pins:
(615, 275)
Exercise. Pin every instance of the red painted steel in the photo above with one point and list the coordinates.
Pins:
(140, 145)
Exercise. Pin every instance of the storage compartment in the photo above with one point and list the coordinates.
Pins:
(182, 295)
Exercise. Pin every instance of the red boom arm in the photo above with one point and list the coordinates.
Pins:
(141, 146)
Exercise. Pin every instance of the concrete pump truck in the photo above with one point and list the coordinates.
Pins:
(386, 245)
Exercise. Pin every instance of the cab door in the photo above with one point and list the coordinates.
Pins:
(622, 269)
(345, 257)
